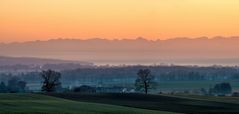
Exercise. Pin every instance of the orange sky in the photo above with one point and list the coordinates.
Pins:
(24, 20)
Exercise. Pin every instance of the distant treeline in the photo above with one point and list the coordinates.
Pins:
(162, 73)
(129, 74)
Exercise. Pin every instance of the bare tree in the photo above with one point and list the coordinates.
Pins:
(51, 80)
(145, 80)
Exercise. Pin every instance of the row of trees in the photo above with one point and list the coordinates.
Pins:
(161, 73)
(143, 83)
(51, 83)
(126, 75)
(221, 89)
(14, 85)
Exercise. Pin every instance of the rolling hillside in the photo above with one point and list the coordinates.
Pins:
(181, 104)
(23, 64)
(40, 104)
(200, 51)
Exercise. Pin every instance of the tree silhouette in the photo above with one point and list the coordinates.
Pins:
(145, 80)
(51, 80)
(222, 88)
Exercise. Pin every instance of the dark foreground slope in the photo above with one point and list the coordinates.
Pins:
(160, 102)
(41, 104)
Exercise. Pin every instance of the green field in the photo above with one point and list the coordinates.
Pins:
(42, 104)
(180, 103)
(208, 98)
(184, 85)
(74, 103)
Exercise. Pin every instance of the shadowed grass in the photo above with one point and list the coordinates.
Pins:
(41, 104)
(181, 104)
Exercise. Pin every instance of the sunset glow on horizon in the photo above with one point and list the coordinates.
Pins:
(26, 20)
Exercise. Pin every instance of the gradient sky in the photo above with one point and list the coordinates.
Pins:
(24, 20)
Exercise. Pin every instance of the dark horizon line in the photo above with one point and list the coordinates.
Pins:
(123, 64)
(115, 39)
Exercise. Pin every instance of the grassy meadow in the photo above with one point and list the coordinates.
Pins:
(42, 104)
(75, 103)
(171, 103)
